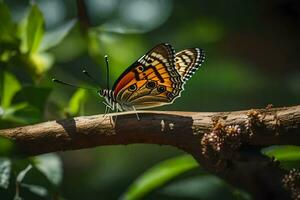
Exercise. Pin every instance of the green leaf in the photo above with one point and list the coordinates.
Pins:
(36, 189)
(94, 46)
(54, 37)
(34, 96)
(10, 86)
(159, 175)
(32, 30)
(6, 146)
(50, 165)
(204, 187)
(21, 114)
(14, 108)
(5, 171)
(76, 104)
(28, 115)
(6, 25)
(23, 173)
(39, 63)
(289, 156)
(19, 179)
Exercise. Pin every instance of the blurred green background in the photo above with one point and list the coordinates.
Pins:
(252, 55)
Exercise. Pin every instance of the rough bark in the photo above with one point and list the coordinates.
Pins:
(225, 143)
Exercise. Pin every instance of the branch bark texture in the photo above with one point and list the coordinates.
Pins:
(220, 141)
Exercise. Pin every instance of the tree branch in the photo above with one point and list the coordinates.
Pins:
(220, 141)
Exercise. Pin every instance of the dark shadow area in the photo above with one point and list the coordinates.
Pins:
(69, 125)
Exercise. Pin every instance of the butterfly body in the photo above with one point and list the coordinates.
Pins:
(110, 101)
(156, 79)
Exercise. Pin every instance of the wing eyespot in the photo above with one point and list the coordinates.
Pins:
(161, 88)
(132, 88)
(140, 68)
(151, 85)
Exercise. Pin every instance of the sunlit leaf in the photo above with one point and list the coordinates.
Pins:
(32, 30)
(5, 170)
(54, 37)
(39, 63)
(76, 104)
(36, 189)
(159, 175)
(50, 165)
(289, 156)
(10, 86)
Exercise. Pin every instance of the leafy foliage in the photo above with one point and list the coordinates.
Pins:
(9, 89)
(50, 166)
(76, 104)
(54, 37)
(32, 30)
(41, 175)
(288, 156)
(159, 175)
(204, 187)
(24, 44)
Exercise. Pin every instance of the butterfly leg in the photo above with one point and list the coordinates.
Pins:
(115, 120)
(137, 116)
(107, 109)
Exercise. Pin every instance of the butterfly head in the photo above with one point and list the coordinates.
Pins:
(100, 92)
(109, 97)
(106, 94)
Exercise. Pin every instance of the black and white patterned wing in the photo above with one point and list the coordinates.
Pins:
(188, 61)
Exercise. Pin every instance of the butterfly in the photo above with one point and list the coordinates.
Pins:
(156, 79)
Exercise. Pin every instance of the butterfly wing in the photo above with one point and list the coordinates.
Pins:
(188, 61)
(151, 81)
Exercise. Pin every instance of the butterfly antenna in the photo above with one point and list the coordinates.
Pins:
(107, 71)
(68, 84)
(91, 78)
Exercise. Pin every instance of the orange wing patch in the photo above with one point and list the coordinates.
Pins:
(151, 81)
(127, 79)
